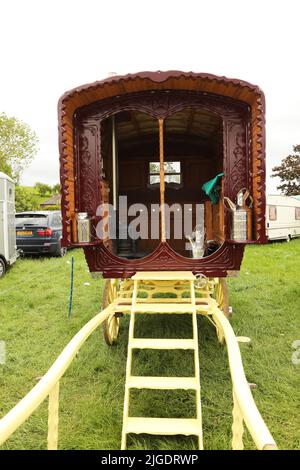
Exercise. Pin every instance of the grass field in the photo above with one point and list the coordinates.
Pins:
(34, 324)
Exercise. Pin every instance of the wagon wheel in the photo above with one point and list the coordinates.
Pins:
(221, 295)
(112, 324)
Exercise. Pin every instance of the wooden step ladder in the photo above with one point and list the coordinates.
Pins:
(162, 426)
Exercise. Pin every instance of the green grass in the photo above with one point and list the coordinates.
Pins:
(35, 325)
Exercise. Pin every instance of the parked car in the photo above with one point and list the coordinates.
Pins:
(39, 232)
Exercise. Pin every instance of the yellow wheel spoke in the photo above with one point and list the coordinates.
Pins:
(111, 325)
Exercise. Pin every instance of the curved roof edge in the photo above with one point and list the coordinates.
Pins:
(159, 77)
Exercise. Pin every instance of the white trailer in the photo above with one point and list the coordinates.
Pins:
(282, 217)
(8, 249)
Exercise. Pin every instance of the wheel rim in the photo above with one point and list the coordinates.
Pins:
(112, 323)
(221, 294)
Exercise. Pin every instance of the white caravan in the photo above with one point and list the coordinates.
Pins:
(282, 217)
(8, 249)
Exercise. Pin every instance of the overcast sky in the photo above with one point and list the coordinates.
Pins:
(48, 47)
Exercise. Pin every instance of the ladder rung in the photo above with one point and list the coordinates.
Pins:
(163, 308)
(163, 383)
(157, 343)
(163, 426)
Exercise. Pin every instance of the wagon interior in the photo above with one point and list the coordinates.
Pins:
(193, 154)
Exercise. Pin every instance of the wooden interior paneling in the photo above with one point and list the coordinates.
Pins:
(137, 146)
(132, 176)
(208, 220)
(218, 228)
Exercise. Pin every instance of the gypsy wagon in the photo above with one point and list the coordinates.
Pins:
(179, 150)
(157, 137)
(142, 156)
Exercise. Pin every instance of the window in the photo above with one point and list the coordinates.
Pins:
(56, 221)
(172, 172)
(272, 213)
(297, 213)
(31, 219)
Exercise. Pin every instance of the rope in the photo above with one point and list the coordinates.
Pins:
(14, 288)
(71, 288)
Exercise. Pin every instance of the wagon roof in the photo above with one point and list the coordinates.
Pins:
(120, 84)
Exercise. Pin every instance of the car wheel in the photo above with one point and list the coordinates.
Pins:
(2, 267)
(60, 251)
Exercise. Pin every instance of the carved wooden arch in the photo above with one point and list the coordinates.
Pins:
(162, 104)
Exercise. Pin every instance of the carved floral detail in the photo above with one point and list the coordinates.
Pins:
(238, 159)
(88, 169)
(228, 257)
(162, 104)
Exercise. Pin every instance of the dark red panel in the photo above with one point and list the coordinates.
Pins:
(227, 258)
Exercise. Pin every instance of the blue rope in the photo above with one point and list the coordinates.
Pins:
(71, 288)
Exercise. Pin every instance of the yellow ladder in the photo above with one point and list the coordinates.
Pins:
(162, 426)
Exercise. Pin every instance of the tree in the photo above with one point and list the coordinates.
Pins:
(289, 173)
(56, 189)
(18, 146)
(43, 189)
(25, 200)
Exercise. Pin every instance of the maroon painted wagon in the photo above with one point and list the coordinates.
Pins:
(155, 138)
(163, 185)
